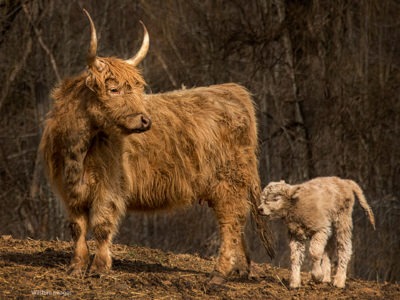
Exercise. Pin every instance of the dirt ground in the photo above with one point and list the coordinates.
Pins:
(38, 270)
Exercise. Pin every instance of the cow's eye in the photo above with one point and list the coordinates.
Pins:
(115, 91)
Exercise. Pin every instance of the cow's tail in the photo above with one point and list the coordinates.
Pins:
(261, 225)
(363, 202)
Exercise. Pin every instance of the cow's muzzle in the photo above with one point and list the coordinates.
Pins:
(136, 123)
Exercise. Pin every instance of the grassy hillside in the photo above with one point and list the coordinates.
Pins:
(38, 269)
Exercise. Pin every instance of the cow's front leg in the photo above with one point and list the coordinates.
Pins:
(104, 219)
(102, 233)
(79, 226)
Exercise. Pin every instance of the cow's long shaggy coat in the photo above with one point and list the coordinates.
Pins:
(109, 147)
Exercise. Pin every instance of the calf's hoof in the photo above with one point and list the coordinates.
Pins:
(339, 283)
(326, 279)
(317, 277)
(295, 284)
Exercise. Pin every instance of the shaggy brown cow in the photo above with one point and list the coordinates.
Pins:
(109, 148)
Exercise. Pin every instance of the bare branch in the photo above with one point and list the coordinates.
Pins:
(41, 42)
(165, 67)
(14, 72)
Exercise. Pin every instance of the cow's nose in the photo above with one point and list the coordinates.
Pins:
(146, 122)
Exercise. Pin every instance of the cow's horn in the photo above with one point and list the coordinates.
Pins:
(143, 49)
(91, 59)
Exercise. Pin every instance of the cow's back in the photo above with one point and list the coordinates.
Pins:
(198, 138)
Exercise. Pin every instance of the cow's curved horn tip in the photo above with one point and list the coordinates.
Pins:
(146, 32)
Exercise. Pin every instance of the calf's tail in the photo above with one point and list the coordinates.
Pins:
(363, 202)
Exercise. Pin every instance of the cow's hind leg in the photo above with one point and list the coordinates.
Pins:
(231, 210)
(79, 227)
(104, 221)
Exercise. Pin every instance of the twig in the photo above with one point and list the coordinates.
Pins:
(41, 42)
(165, 67)
(15, 71)
(281, 282)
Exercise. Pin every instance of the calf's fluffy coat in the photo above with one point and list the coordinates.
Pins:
(319, 210)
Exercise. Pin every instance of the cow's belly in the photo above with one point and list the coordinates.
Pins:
(160, 193)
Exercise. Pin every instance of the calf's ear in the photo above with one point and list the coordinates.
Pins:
(293, 195)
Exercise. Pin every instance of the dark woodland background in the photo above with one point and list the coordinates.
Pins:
(324, 75)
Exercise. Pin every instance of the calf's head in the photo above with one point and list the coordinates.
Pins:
(116, 88)
(276, 199)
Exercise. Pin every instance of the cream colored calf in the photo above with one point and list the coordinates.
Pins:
(319, 210)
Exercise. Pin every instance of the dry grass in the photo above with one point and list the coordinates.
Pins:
(38, 268)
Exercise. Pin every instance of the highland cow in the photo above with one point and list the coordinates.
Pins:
(109, 147)
(319, 210)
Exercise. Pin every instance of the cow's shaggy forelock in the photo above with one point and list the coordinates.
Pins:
(118, 70)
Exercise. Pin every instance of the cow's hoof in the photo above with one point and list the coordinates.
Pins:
(217, 279)
(243, 274)
(97, 272)
(76, 271)
(99, 267)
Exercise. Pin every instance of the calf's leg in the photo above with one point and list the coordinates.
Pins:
(326, 268)
(344, 249)
(317, 249)
(326, 264)
(297, 249)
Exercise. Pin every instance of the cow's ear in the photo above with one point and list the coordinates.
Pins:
(89, 84)
(93, 83)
